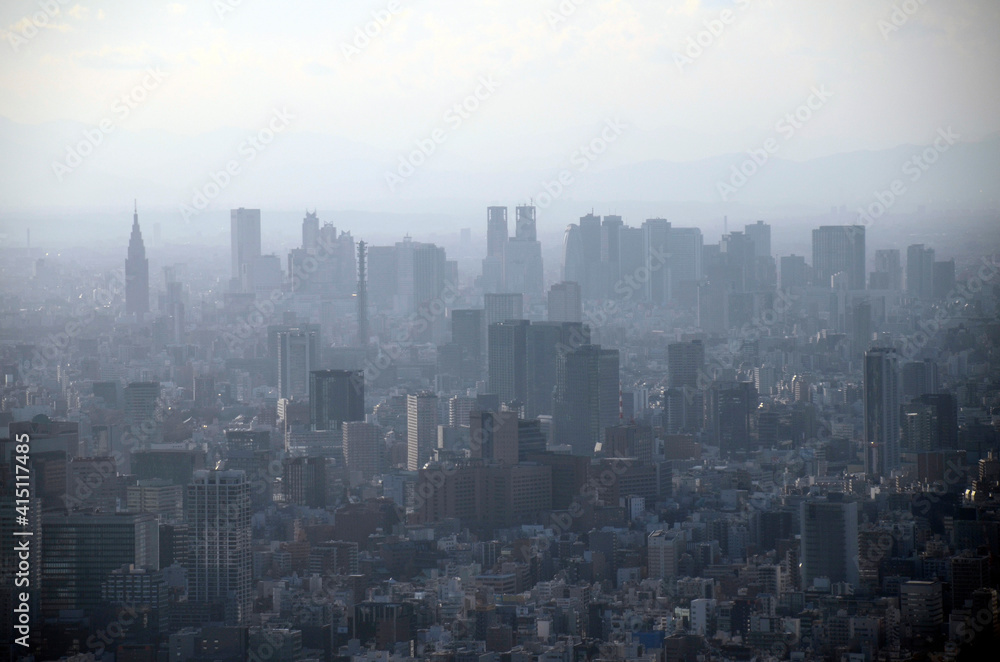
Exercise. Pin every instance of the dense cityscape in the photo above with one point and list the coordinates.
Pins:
(659, 449)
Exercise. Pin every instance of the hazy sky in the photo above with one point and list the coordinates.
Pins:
(561, 73)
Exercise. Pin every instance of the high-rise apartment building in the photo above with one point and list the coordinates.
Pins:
(217, 509)
(421, 428)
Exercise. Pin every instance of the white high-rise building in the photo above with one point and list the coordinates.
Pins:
(421, 428)
(664, 549)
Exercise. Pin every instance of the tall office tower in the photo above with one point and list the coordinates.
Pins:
(921, 604)
(729, 407)
(298, 355)
(310, 232)
(335, 397)
(496, 248)
(945, 407)
(508, 366)
(574, 267)
(522, 266)
(919, 377)
(663, 551)
(760, 236)
(686, 255)
(610, 265)
(685, 363)
(829, 529)
(383, 276)
(631, 263)
(836, 249)
(881, 402)
(244, 236)
(468, 332)
(459, 409)
(94, 483)
(141, 417)
(304, 480)
(502, 307)
(546, 341)
(737, 262)
(363, 333)
(525, 228)
(794, 271)
(82, 549)
(861, 326)
(920, 271)
(421, 428)
(590, 241)
(656, 249)
(888, 274)
(586, 397)
(136, 272)
(429, 273)
(944, 279)
(217, 509)
(362, 449)
(531, 439)
(496, 231)
(565, 302)
(494, 436)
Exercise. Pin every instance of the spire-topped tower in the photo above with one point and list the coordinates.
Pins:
(136, 271)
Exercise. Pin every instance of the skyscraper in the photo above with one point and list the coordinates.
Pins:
(363, 332)
(920, 271)
(656, 241)
(503, 307)
(244, 236)
(335, 397)
(590, 241)
(881, 406)
(494, 436)
(565, 304)
(888, 274)
(421, 428)
(496, 247)
(573, 261)
(836, 249)
(508, 351)
(469, 332)
(829, 530)
(217, 509)
(586, 397)
(298, 355)
(685, 363)
(136, 272)
(760, 235)
(82, 549)
(496, 231)
(362, 449)
(525, 229)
